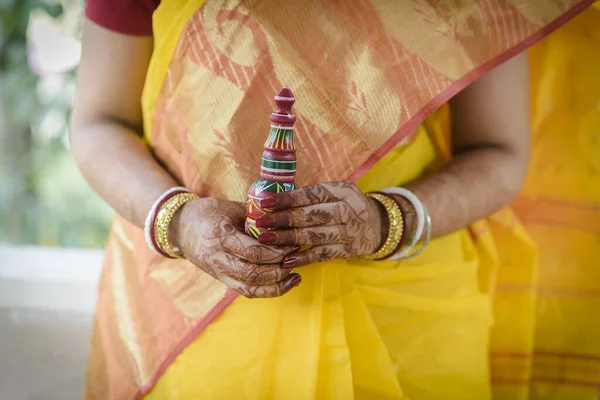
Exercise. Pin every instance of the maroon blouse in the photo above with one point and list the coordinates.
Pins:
(130, 17)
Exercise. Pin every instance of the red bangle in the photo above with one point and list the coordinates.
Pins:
(153, 220)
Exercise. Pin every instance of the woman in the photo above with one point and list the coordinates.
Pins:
(365, 76)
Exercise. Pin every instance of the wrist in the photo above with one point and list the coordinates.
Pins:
(410, 214)
(381, 221)
(178, 223)
(161, 227)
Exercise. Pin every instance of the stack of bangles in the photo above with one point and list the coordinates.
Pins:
(156, 226)
(400, 244)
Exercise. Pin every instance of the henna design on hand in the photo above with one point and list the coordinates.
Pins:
(335, 213)
(206, 231)
(315, 254)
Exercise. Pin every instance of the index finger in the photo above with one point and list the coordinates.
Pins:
(305, 196)
(251, 250)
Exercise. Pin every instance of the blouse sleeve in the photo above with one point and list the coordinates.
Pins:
(130, 17)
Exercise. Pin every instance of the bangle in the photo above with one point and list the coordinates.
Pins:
(421, 217)
(425, 242)
(151, 216)
(153, 222)
(163, 221)
(404, 235)
(396, 226)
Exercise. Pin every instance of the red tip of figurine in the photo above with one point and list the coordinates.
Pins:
(284, 100)
(285, 92)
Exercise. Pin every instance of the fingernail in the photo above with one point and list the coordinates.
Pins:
(291, 262)
(267, 238)
(292, 281)
(264, 221)
(268, 202)
(293, 250)
(296, 280)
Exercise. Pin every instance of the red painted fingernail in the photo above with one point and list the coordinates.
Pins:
(296, 280)
(268, 202)
(264, 221)
(267, 238)
(291, 262)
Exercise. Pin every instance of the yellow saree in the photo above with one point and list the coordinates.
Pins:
(365, 75)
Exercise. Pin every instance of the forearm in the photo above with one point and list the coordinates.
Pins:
(120, 168)
(473, 185)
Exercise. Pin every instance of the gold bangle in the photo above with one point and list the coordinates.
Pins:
(163, 220)
(396, 226)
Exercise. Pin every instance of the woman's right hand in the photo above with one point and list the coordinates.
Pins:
(210, 233)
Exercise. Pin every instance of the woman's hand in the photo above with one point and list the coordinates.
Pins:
(210, 234)
(336, 218)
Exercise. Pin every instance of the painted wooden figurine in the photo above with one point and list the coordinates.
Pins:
(278, 166)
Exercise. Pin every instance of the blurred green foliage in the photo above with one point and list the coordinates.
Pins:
(43, 198)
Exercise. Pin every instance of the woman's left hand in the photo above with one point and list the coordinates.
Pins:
(336, 218)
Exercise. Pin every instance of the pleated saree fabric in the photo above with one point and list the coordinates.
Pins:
(502, 309)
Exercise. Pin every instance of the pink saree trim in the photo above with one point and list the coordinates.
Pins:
(462, 83)
(187, 339)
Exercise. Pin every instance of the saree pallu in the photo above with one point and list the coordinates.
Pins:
(365, 75)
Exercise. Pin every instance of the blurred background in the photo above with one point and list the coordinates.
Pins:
(43, 198)
(52, 226)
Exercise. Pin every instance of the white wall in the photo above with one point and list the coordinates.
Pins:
(56, 279)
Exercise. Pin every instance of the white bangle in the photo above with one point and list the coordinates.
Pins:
(427, 237)
(419, 209)
(152, 215)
